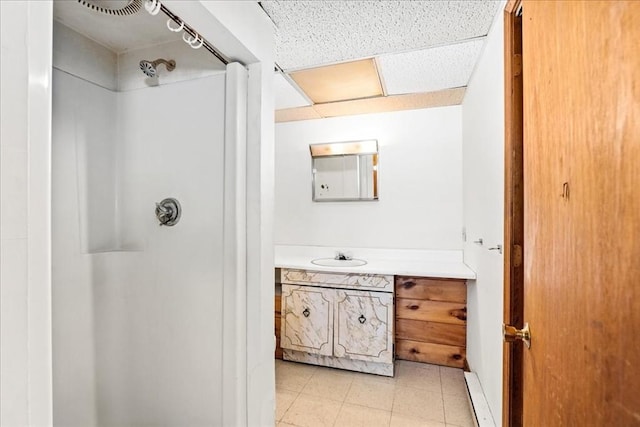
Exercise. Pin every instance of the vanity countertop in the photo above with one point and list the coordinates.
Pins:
(398, 262)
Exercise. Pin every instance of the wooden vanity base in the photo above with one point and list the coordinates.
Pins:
(431, 319)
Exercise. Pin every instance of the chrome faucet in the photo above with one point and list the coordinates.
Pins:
(342, 257)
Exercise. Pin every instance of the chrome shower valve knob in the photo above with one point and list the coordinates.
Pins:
(168, 212)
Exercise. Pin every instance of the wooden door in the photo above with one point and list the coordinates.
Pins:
(581, 68)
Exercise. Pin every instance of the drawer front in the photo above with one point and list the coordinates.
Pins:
(431, 311)
(431, 332)
(376, 282)
(437, 354)
(307, 315)
(363, 326)
(450, 290)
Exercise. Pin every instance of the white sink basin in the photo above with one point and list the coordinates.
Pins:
(332, 262)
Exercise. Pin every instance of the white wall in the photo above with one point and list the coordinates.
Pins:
(138, 333)
(25, 334)
(483, 172)
(420, 182)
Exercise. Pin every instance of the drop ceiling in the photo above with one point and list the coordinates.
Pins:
(419, 47)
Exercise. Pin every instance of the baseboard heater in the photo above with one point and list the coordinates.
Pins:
(480, 408)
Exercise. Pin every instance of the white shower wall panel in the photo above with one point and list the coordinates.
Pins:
(138, 333)
(74, 369)
(80, 56)
(159, 311)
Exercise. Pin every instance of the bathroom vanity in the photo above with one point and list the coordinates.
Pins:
(342, 320)
(401, 304)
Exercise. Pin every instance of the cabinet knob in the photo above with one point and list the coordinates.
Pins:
(362, 319)
(306, 312)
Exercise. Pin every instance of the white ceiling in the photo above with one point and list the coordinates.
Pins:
(419, 46)
(118, 33)
(312, 33)
(430, 70)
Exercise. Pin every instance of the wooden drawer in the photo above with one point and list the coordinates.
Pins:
(451, 290)
(431, 311)
(438, 354)
(431, 332)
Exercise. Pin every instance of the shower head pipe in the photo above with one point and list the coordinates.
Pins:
(150, 68)
(170, 64)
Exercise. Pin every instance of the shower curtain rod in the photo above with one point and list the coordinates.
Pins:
(194, 34)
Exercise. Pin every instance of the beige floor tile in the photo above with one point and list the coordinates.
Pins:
(293, 376)
(312, 411)
(284, 399)
(377, 379)
(418, 375)
(372, 394)
(457, 411)
(340, 372)
(453, 382)
(418, 403)
(398, 420)
(285, 425)
(359, 416)
(328, 384)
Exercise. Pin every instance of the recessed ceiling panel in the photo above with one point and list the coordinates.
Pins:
(311, 33)
(349, 80)
(430, 70)
(286, 95)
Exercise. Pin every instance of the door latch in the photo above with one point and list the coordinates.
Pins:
(511, 334)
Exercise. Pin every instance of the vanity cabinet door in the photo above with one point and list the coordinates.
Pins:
(363, 326)
(307, 318)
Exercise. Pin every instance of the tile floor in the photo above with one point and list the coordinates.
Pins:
(419, 395)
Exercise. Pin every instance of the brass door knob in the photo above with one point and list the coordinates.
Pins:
(511, 334)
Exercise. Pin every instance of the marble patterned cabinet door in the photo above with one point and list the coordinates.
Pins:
(307, 319)
(363, 326)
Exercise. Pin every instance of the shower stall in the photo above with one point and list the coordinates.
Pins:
(149, 276)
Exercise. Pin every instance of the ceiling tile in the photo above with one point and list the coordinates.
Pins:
(286, 96)
(430, 70)
(311, 33)
(349, 80)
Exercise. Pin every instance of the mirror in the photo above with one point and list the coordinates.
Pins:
(345, 171)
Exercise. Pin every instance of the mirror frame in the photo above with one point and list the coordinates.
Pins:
(341, 149)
